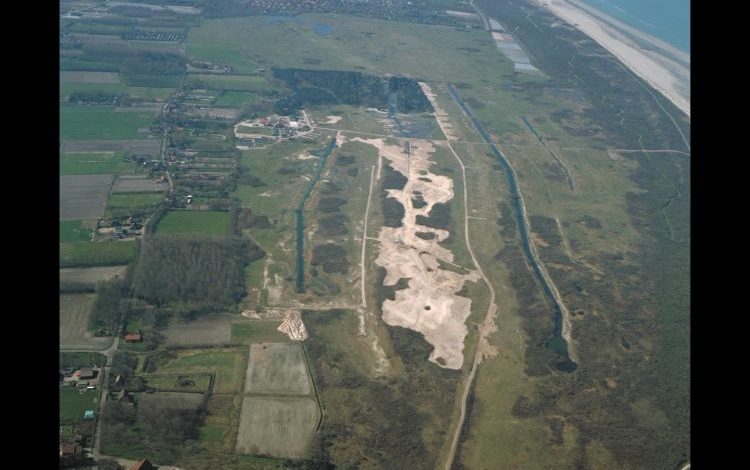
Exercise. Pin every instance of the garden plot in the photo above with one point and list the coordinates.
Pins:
(281, 427)
(277, 368)
(137, 183)
(84, 197)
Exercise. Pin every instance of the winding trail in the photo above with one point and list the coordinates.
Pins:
(486, 328)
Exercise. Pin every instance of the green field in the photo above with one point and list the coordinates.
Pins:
(254, 83)
(82, 359)
(75, 310)
(233, 99)
(67, 88)
(150, 93)
(94, 163)
(277, 368)
(106, 253)
(171, 382)
(71, 231)
(229, 365)
(257, 331)
(194, 222)
(127, 203)
(73, 404)
(279, 427)
(101, 122)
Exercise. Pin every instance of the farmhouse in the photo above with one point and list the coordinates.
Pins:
(70, 449)
(142, 465)
(133, 338)
(85, 374)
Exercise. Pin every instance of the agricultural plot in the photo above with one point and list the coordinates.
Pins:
(228, 364)
(137, 183)
(142, 146)
(255, 331)
(68, 88)
(233, 99)
(282, 427)
(194, 383)
(75, 310)
(72, 231)
(106, 253)
(208, 331)
(95, 122)
(94, 163)
(277, 368)
(91, 275)
(89, 77)
(254, 83)
(127, 203)
(195, 222)
(83, 197)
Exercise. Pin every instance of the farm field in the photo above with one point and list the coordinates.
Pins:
(82, 359)
(84, 197)
(255, 331)
(195, 222)
(107, 253)
(89, 77)
(229, 365)
(277, 368)
(75, 310)
(74, 403)
(137, 183)
(233, 99)
(72, 231)
(281, 427)
(142, 146)
(94, 163)
(91, 275)
(95, 122)
(68, 88)
(204, 331)
(126, 203)
(253, 83)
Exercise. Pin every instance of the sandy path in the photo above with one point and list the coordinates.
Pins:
(364, 239)
(487, 327)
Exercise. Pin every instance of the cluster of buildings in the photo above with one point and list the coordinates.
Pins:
(87, 378)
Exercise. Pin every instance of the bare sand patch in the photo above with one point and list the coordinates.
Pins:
(429, 304)
(332, 119)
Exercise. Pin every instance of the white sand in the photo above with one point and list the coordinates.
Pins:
(429, 304)
(664, 67)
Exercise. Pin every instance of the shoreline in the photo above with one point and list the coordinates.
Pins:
(661, 65)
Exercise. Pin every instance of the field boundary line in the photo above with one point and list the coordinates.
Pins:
(315, 387)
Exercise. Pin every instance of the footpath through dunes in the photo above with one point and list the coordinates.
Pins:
(429, 303)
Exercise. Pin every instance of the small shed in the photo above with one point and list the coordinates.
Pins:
(88, 414)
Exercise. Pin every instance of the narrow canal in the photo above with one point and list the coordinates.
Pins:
(300, 217)
(557, 343)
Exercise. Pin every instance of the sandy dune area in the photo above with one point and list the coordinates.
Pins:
(663, 66)
(429, 304)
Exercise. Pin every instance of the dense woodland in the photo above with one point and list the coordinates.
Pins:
(207, 271)
(327, 87)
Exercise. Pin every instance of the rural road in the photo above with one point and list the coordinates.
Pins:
(485, 329)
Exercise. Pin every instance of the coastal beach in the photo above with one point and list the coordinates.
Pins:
(661, 65)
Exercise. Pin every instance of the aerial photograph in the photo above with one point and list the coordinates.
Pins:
(374, 234)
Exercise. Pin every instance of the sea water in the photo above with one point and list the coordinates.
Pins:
(668, 20)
